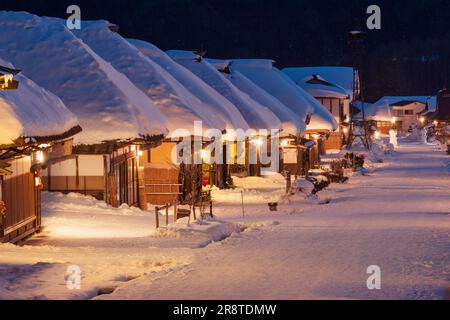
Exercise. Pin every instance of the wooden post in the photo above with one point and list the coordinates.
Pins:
(167, 215)
(49, 178)
(175, 213)
(211, 209)
(242, 200)
(157, 217)
(77, 174)
(288, 182)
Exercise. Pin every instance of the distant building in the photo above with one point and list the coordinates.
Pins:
(400, 112)
(333, 88)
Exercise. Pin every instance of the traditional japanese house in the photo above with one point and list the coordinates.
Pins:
(333, 96)
(400, 112)
(313, 120)
(213, 174)
(34, 121)
(217, 74)
(119, 121)
(165, 179)
(261, 119)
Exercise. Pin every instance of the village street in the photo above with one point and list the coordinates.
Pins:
(396, 218)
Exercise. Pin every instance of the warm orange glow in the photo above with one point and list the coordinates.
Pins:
(258, 141)
(39, 156)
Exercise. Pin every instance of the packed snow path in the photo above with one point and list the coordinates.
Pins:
(396, 218)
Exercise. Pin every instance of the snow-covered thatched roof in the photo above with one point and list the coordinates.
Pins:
(319, 87)
(180, 107)
(108, 105)
(285, 115)
(265, 75)
(222, 108)
(339, 76)
(382, 109)
(32, 112)
(257, 115)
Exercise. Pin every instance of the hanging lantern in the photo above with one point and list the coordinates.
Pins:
(38, 180)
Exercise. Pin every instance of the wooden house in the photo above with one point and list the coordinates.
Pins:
(299, 151)
(34, 122)
(164, 180)
(217, 174)
(333, 87)
(119, 120)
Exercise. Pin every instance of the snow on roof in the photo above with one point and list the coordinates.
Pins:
(287, 117)
(382, 109)
(31, 111)
(319, 87)
(180, 107)
(106, 102)
(427, 100)
(257, 115)
(340, 76)
(223, 108)
(290, 94)
(248, 108)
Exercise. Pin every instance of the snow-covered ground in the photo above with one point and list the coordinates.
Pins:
(396, 216)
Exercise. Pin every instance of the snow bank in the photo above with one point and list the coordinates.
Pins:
(210, 229)
(84, 217)
(223, 109)
(106, 102)
(180, 107)
(31, 111)
(75, 217)
(256, 190)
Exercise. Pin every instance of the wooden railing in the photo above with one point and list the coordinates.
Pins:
(204, 200)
